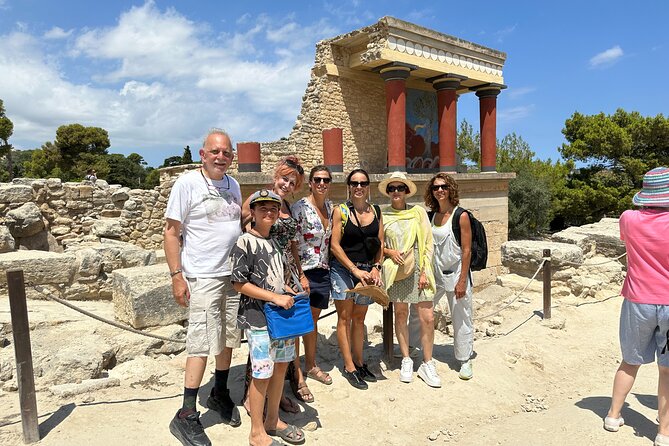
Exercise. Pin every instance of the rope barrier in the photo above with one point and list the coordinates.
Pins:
(615, 259)
(50, 296)
(517, 295)
(101, 319)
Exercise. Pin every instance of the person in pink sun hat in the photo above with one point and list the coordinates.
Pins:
(644, 316)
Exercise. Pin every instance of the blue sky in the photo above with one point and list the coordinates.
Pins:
(157, 74)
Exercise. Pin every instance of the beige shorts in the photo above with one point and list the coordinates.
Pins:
(212, 320)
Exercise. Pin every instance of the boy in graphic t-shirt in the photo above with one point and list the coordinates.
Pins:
(258, 275)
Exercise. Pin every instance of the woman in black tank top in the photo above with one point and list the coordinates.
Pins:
(357, 237)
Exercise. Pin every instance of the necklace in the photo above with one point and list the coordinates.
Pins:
(254, 231)
(216, 190)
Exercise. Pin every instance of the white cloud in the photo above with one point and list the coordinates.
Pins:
(515, 93)
(157, 80)
(57, 33)
(515, 113)
(3, 4)
(503, 33)
(606, 58)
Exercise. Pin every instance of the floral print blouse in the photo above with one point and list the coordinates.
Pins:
(313, 239)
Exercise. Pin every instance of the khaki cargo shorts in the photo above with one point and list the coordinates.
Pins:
(212, 320)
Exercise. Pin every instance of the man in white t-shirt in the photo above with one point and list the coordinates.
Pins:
(202, 226)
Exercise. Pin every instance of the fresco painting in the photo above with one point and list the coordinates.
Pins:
(422, 131)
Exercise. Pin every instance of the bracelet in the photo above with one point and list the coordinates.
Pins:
(353, 266)
(175, 272)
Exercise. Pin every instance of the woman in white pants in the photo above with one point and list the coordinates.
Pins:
(451, 265)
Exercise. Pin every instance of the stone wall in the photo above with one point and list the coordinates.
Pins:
(71, 210)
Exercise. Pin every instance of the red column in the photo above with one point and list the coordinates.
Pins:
(248, 156)
(395, 78)
(488, 116)
(447, 111)
(333, 149)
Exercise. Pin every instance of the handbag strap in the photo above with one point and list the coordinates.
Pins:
(355, 215)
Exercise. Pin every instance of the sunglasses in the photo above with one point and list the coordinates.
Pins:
(325, 180)
(293, 165)
(400, 188)
(436, 187)
(358, 183)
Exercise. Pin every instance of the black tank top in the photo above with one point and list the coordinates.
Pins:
(352, 239)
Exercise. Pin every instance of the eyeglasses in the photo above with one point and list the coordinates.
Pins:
(325, 180)
(358, 183)
(215, 191)
(436, 187)
(226, 153)
(400, 188)
(293, 165)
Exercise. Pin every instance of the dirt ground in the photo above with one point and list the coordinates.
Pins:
(535, 383)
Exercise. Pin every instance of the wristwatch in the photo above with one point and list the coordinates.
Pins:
(377, 266)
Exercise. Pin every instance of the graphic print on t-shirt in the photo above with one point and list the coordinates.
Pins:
(221, 208)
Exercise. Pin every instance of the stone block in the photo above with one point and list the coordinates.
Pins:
(16, 193)
(25, 220)
(7, 243)
(523, 257)
(143, 297)
(39, 267)
(107, 227)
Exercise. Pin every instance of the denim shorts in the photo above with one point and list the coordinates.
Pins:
(343, 280)
(264, 352)
(319, 285)
(644, 333)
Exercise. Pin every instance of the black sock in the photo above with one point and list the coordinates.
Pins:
(190, 399)
(221, 381)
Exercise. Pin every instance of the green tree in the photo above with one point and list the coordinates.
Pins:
(124, 171)
(187, 157)
(468, 143)
(44, 162)
(529, 205)
(152, 178)
(617, 150)
(172, 161)
(6, 130)
(74, 140)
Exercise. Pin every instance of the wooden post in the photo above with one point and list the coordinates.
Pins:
(388, 333)
(23, 354)
(547, 283)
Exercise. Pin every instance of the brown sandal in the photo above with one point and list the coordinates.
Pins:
(319, 375)
(302, 392)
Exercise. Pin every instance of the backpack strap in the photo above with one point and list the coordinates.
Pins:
(343, 210)
(456, 223)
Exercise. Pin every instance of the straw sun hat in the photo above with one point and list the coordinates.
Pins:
(655, 191)
(398, 177)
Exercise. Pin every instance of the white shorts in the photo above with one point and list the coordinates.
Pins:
(212, 319)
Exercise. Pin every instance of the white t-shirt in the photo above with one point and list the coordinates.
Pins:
(210, 213)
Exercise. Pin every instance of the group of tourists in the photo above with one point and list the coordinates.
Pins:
(229, 258)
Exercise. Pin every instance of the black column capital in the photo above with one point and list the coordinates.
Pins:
(488, 90)
(446, 81)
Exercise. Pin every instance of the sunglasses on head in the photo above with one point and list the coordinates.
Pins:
(436, 187)
(325, 180)
(400, 188)
(293, 165)
(358, 183)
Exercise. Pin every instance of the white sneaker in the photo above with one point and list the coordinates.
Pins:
(661, 440)
(428, 373)
(466, 370)
(613, 424)
(406, 371)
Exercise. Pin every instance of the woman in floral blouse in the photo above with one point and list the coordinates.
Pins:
(314, 226)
